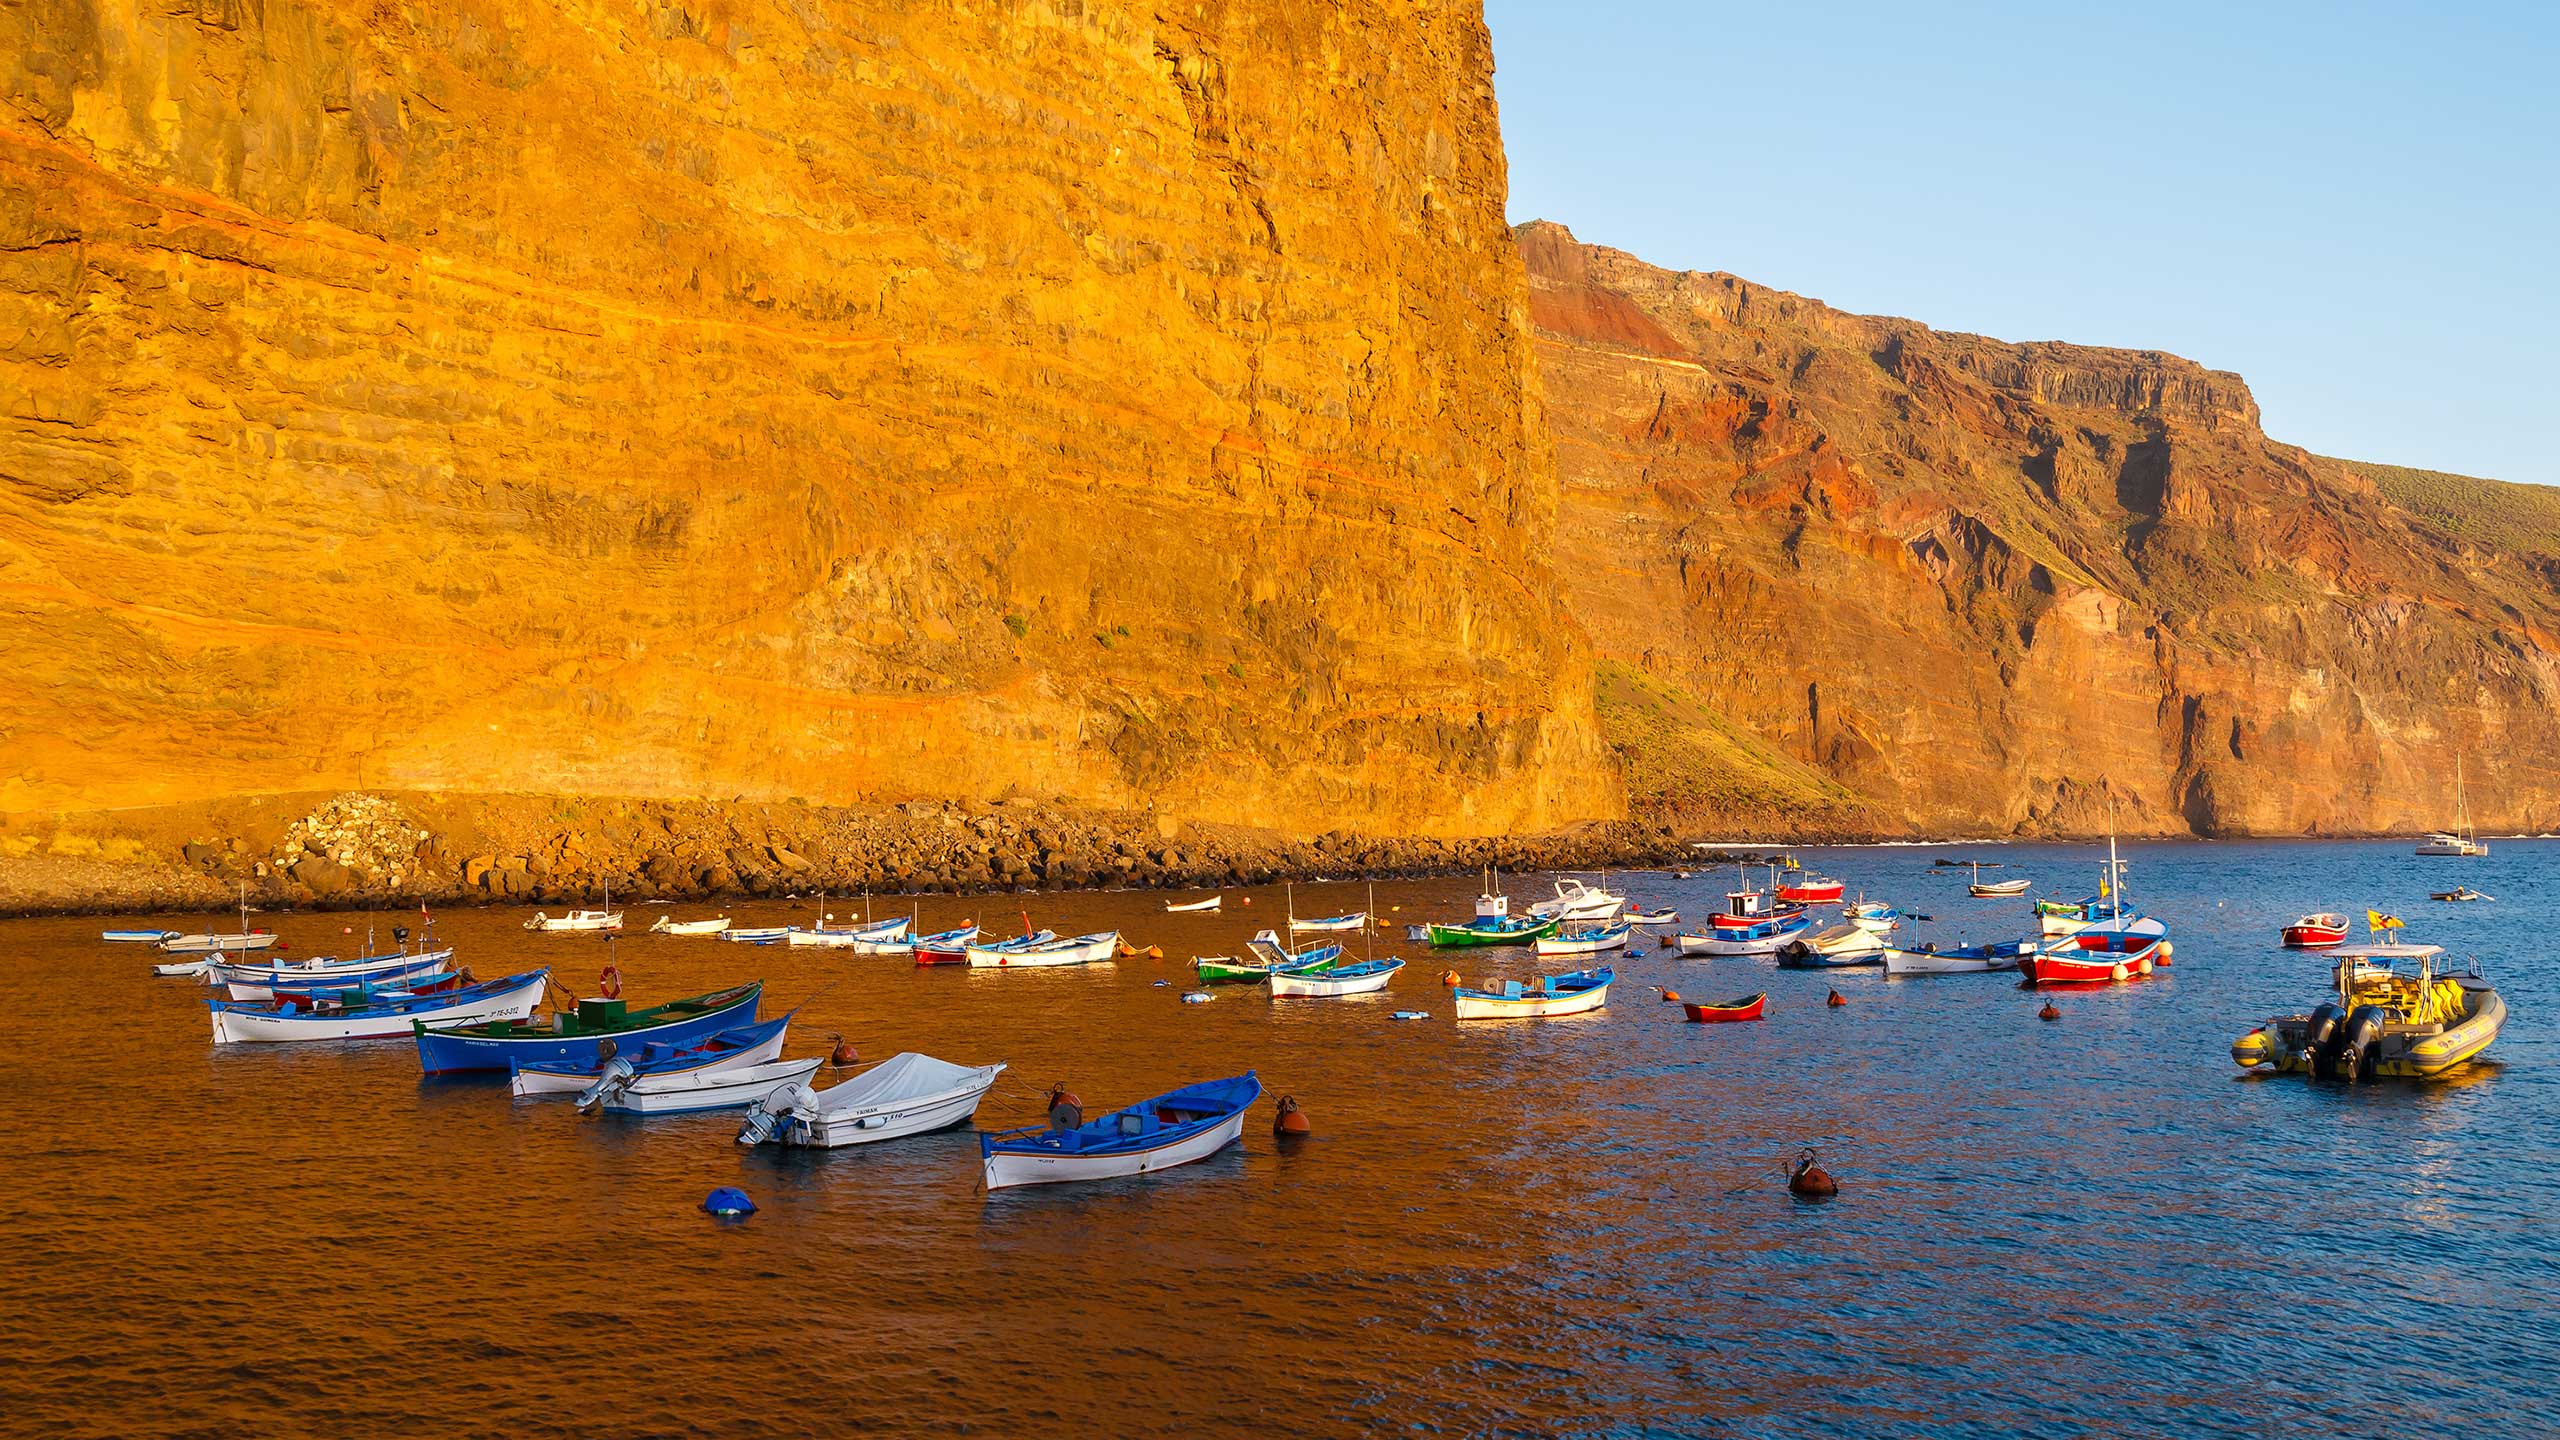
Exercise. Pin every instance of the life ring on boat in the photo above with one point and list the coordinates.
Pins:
(609, 984)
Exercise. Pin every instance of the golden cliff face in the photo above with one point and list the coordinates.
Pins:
(1853, 571)
(812, 398)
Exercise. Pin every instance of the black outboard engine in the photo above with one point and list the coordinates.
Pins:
(2360, 1042)
(2320, 1041)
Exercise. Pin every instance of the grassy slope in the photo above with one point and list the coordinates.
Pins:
(1680, 756)
(2486, 514)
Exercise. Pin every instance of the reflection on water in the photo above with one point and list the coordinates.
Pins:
(1574, 1225)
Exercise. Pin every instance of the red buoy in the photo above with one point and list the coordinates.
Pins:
(1066, 1109)
(1669, 997)
(843, 1056)
(2050, 1011)
(1811, 1181)
(1291, 1120)
(1835, 1001)
(1449, 978)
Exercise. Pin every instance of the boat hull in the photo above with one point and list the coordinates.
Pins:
(441, 1052)
(2092, 966)
(1970, 960)
(527, 1083)
(1735, 1013)
(1477, 937)
(234, 1027)
(2307, 936)
(1006, 1169)
(1196, 907)
(691, 1091)
(1322, 984)
(1083, 950)
(834, 1120)
(1529, 1005)
(217, 944)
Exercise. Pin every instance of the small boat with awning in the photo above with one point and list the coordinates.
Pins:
(576, 922)
(1540, 997)
(1175, 1128)
(1577, 900)
(906, 1094)
(575, 1034)
(2316, 932)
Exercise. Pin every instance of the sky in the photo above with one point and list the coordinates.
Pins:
(2355, 206)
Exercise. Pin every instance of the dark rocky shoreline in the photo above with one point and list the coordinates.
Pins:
(372, 851)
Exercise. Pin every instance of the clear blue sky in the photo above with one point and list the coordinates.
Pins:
(2355, 206)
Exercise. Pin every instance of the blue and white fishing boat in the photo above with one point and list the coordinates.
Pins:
(1175, 1128)
(1958, 959)
(690, 1092)
(265, 982)
(850, 937)
(380, 1015)
(1760, 937)
(505, 1044)
(139, 937)
(757, 934)
(733, 1048)
(1365, 978)
(1842, 944)
(1583, 937)
(1567, 994)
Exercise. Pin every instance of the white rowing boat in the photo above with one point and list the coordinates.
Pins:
(1366, 978)
(1045, 949)
(1547, 995)
(1195, 907)
(685, 1092)
(669, 925)
(576, 922)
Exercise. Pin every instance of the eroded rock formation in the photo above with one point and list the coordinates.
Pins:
(1852, 571)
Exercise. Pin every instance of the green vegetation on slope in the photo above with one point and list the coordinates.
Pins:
(2487, 514)
(1682, 759)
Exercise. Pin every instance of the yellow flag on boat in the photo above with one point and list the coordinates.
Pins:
(2102, 889)
(2378, 922)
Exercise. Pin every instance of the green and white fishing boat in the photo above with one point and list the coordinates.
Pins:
(1495, 930)
(1268, 957)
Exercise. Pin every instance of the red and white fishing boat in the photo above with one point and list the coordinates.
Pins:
(2316, 932)
(2097, 958)
(1812, 890)
(1747, 907)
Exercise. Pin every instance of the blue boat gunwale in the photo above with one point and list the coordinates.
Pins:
(408, 1004)
(463, 1049)
(1361, 971)
(1555, 988)
(693, 1052)
(1026, 1140)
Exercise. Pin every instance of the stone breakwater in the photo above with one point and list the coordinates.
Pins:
(373, 851)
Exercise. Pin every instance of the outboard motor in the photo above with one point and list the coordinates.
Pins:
(765, 1116)
(617, 1074)
(2360, 1042)
(2319, 1040)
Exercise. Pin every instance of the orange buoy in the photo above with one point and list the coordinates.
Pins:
(1246, 900)
(1836, 1000)
(1155, 952)
(1128, 951)
(1449, 978)
(1669, 997)
(1811, 1181)
(843, 1056)
(1291, 1120)
(2050, 1011)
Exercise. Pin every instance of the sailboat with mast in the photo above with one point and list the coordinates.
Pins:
(2461, 839)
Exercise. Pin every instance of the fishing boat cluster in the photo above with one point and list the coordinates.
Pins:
(2395, 1011)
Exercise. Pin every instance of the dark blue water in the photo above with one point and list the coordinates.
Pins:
(2095, 1226)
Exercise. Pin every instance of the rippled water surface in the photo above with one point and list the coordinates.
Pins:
(1560, 1227)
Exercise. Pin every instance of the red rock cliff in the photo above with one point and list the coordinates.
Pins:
(1851, 571)
(769, 398)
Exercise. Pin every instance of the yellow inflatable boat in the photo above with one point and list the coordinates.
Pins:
(2394, 1016)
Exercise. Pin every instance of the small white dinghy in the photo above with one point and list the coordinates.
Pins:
(1962, 960)
(1366, 978)
(1195, 907)
(670, 925)
(217, 944)
(757, 1044)
(906, 1094)
(1033, 952)
(686, 1091)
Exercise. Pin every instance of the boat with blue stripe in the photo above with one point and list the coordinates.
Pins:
(1175, 1128)
(575, 1035)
